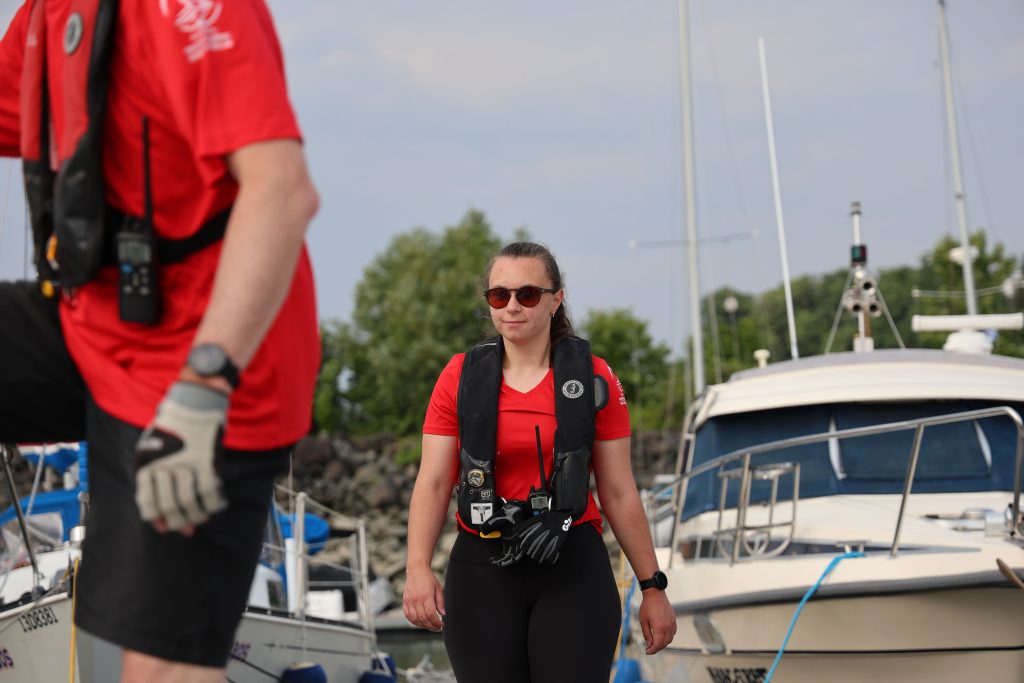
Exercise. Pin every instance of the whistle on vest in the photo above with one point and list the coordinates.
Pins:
(48, 287)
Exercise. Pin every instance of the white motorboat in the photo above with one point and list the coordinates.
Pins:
(906, 462)
(852, 516)
(302, 611)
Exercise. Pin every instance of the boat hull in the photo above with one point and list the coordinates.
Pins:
(934, 667)
(958, 634)
(35, 645)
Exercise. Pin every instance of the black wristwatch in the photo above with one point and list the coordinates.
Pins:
(210, 360)
(659, 581)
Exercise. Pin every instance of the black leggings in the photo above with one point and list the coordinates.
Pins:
(531, 623)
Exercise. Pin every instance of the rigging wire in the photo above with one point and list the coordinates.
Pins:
(982, 186)
(764, 330)
(961, 102)
(839, 315)
(3, 206)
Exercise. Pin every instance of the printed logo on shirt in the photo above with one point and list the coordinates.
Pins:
(572, 389)
(197, 19)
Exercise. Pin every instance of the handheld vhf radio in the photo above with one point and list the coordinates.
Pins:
(540, 499)
(139, 278)
(138, 289)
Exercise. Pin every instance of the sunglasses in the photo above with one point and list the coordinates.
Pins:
(529, 295)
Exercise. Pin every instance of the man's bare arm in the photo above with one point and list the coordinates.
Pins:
(276, 200)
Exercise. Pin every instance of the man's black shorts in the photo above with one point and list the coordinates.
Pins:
(164, 595)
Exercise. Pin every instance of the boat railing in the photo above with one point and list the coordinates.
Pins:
(298, 558)
(761, 546)
(745, 473)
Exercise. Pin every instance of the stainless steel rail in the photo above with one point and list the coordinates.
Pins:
(358, 554)
(919, 425)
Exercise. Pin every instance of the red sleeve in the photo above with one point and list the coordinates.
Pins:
(442, 411)
(222, 66)
(613, 419)
(12, 53)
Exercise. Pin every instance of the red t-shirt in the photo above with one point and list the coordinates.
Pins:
(211, 80)
(516, 468)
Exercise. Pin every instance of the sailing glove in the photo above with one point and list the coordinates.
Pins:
(543, 535)
(176, 479)
(510, 514)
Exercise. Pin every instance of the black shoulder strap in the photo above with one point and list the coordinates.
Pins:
(479, 387)
(78, 197)
(574, 395)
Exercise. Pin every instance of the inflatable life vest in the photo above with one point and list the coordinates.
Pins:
(579, 394)
(73, 228)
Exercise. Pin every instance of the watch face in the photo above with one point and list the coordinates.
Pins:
(660, 580)
(207, 360)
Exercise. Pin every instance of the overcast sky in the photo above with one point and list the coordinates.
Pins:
(564, 118)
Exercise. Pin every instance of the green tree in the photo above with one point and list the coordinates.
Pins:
(760, 321)
(642, 366)
(340, 354)
(417, 304)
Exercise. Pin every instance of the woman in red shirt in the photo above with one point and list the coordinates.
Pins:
(509, 611)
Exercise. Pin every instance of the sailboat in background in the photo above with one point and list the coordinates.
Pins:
(306, 617)
(855, 515)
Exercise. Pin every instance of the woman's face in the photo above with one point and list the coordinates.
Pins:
(515, 322)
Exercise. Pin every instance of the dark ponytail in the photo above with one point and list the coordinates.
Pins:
(561, 325)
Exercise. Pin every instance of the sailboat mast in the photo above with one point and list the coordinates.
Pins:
(954, 150)
(790, 318)
(697, 360)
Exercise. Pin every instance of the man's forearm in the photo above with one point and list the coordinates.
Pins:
(275, 203)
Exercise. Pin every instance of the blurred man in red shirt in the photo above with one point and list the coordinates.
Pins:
(169, 197)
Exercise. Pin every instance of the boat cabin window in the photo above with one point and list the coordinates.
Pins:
(966, 456)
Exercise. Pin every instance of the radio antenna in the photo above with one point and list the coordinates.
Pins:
(540, 459)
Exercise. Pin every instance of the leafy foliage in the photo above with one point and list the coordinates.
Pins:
(641, 365)
(933, 288)
(418, 303)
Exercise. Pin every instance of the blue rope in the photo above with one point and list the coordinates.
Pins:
(807, 596)
(625, 619)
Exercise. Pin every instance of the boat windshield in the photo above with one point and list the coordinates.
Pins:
(966, 456)
(46, 530)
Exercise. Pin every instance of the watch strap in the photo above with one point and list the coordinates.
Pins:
(658, 580)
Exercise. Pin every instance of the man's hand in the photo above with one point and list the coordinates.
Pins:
(176, 485)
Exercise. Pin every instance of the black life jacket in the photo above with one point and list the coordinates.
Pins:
(69, 204)
(579, 394)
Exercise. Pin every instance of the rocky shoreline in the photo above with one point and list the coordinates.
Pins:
(363, 478)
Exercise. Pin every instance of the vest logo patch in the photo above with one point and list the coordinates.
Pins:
(74, 29)
(475, 478)
(572, 389)
(481, 512)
